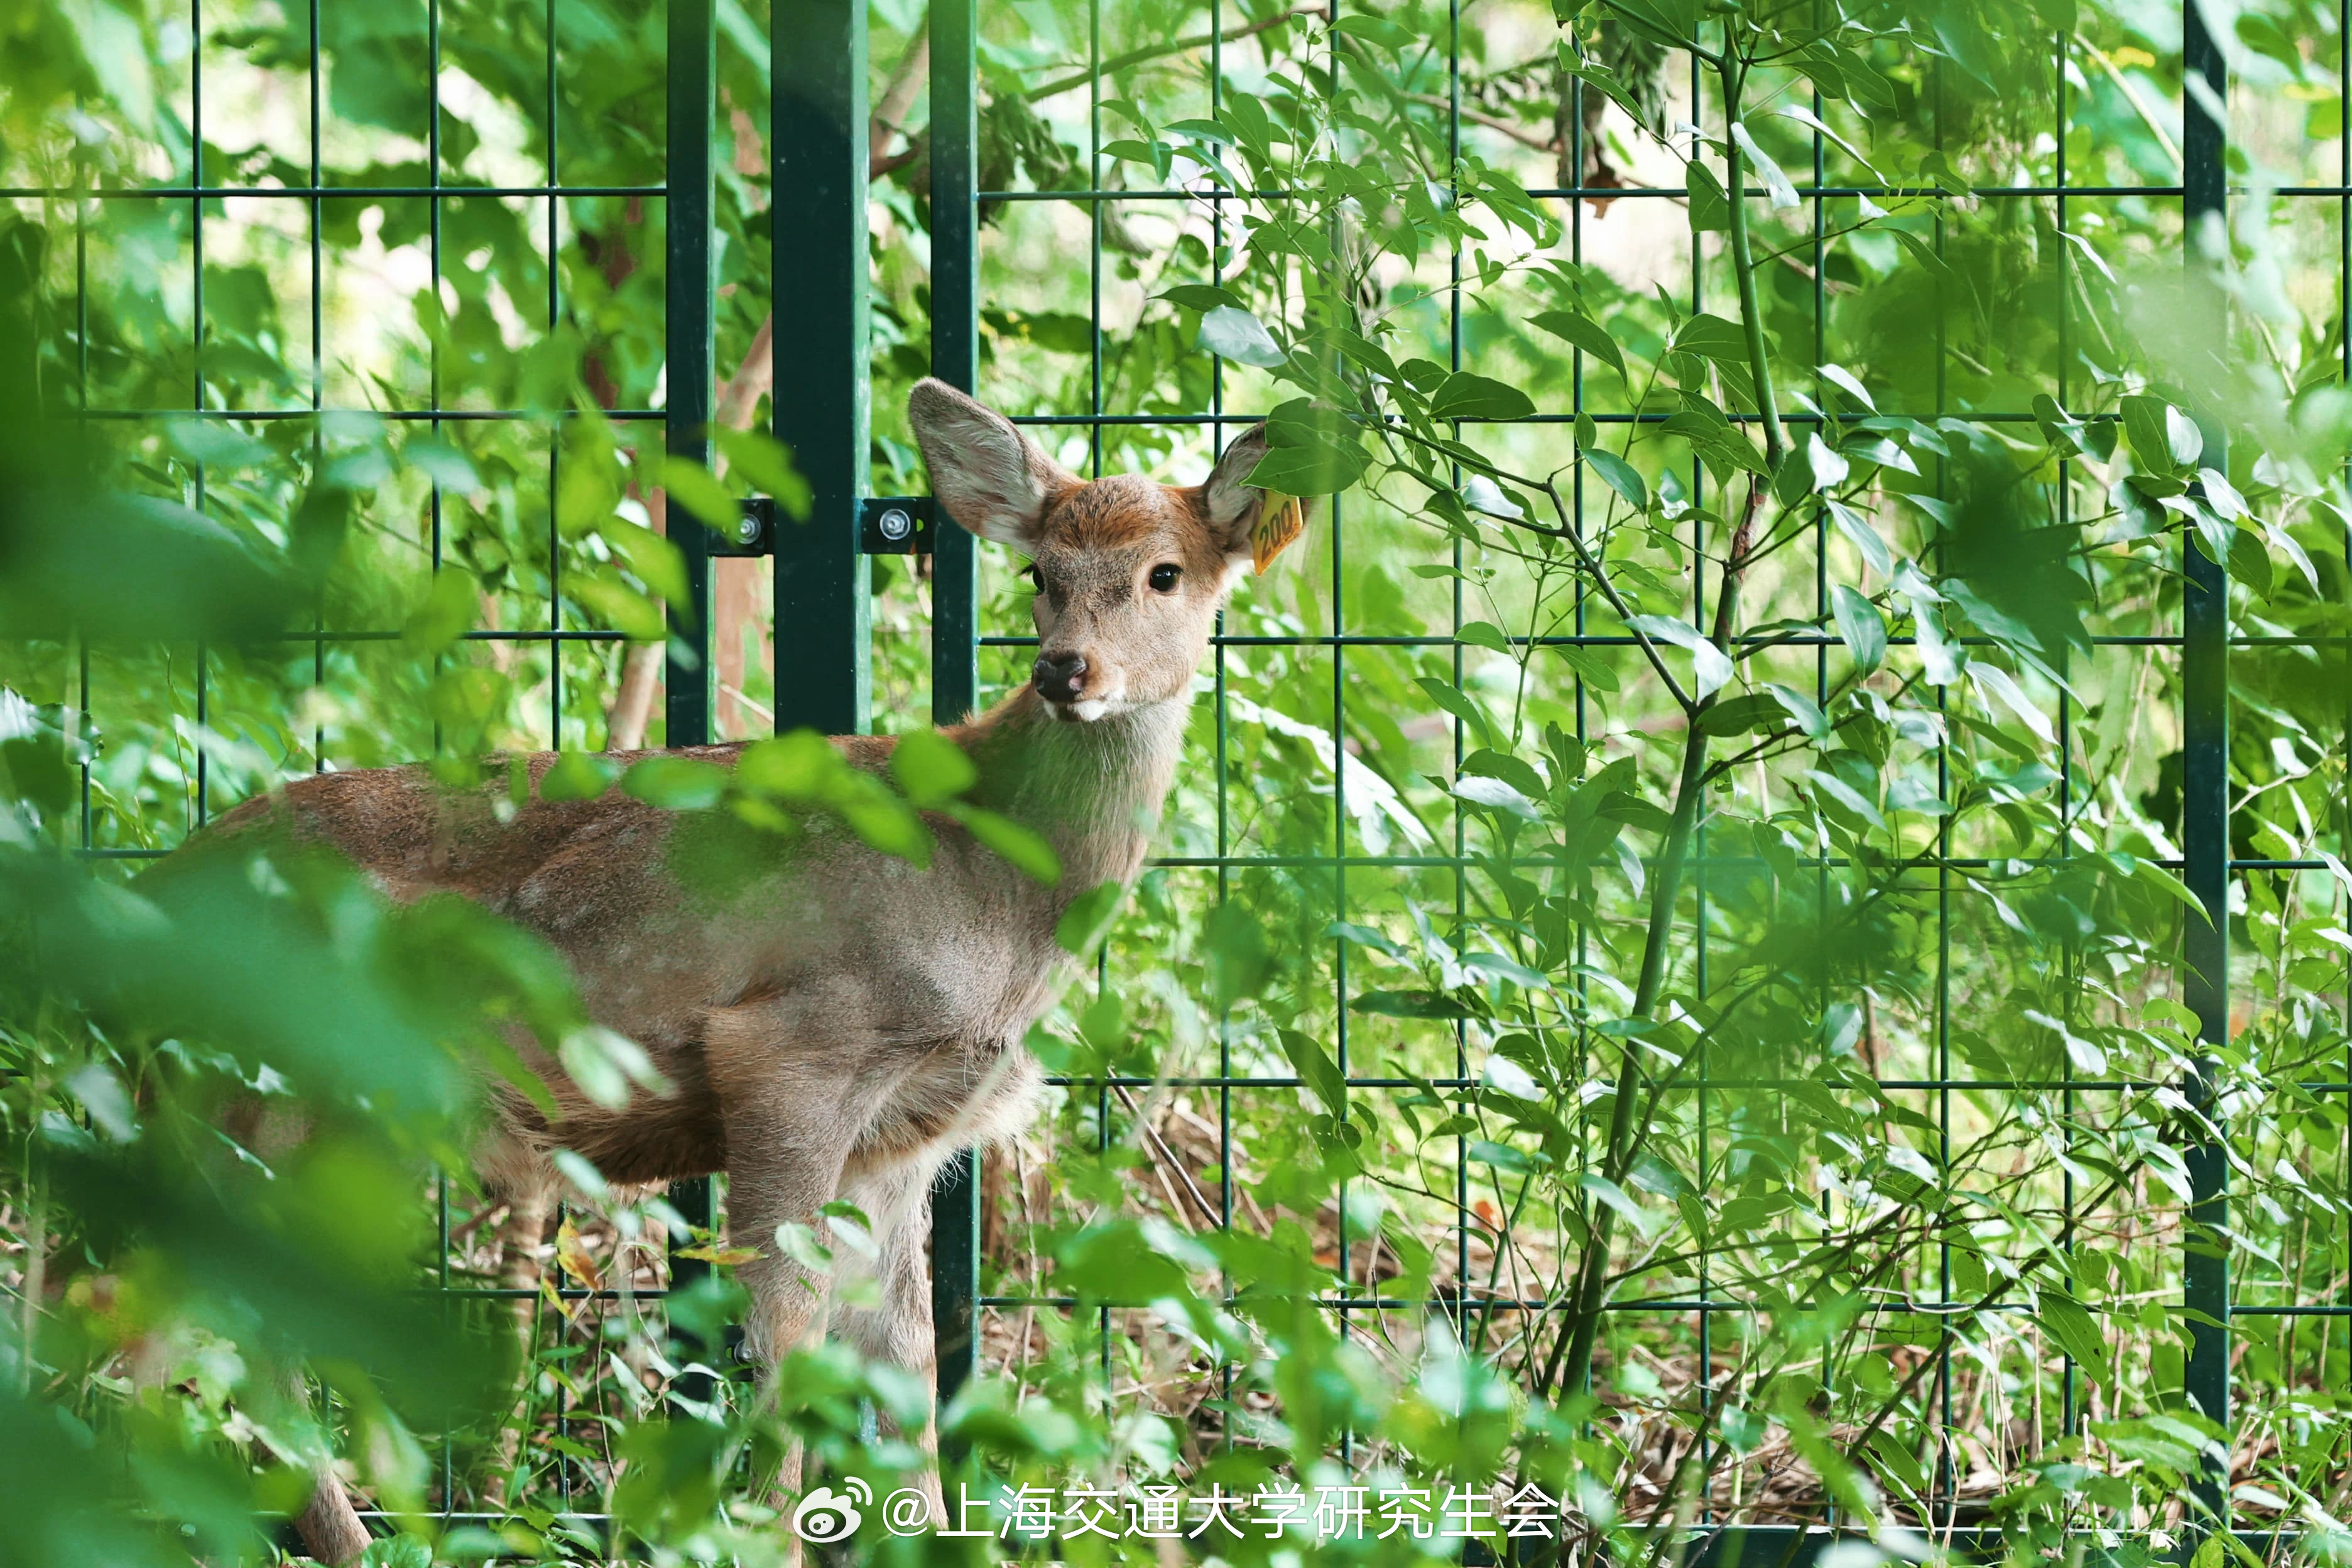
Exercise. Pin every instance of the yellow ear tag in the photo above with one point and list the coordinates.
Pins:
(1280, 520)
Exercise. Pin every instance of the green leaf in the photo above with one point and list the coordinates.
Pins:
(1776, 181)
(605, 1064)
(1744, 1431)
(1024, 847)
(608, 599)
(1710, 209)
(1998, 684)
(2164, 881)
(1584, 332)
(1377, 30)
(1201, 297)
(1864, 538)
(1503, 967)
(2069, 1323)
(1844, 381)
(578, 775)
(1590, 667)
(1846, 795)
(1514, 770)
(1462, 395)
(885, 824)
(1087, 918)
(1234, 333)
(1451, 699)
(1801, 709)
(1618, 1198)
(1311, 450)
(802, 766)
(690, 485)
(653, 557)
(676, 783)
(1496, 795)
(1363, 936)
(397, 1551)
(2163, 439)
(1712, 337)
(1316, 1069)
(1416, 1004)
(444, 465)
(765, 464)
(1859, 626)
(1620, 476)
(1237, 958)
(1483, 633)
(1501, 1156)
(931, 768)
(447, 615)
(1709, 669)
(2249, 562)
(1828, 465)
(2181, 436)
(1737, 715)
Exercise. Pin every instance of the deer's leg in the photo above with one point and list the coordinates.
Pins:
(520, 1237)
(791, 1099)
(329, 1526)
(898, 1328)
(781, 1169)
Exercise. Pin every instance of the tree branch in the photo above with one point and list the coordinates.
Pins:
(1565, 531)
(1525, 138)
(1149, 52)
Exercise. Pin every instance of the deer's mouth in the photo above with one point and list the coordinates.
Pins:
(1083, 709)
(1085, 705)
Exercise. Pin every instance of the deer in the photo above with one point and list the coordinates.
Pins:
(842, 1026)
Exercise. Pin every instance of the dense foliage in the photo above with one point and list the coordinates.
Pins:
(1665, 987)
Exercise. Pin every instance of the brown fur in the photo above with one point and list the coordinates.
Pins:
(845, 1022)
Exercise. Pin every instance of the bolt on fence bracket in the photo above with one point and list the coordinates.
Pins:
(895, 525)
(755, 530)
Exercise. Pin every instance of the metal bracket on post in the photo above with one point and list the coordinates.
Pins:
(755, 530)
(895, 525)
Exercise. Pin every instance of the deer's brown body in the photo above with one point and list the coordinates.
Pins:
(841, 1021)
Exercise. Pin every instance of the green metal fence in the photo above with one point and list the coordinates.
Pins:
(2202, 647)
(221, 416)
(2203, 643)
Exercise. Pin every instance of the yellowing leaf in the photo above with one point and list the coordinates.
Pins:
(725, 1257)
(571, 1257)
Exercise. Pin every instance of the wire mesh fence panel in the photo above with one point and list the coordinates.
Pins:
(1292, 1030)
(371, 250)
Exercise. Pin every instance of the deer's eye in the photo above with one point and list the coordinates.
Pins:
(1036, 578)
(1164, 576)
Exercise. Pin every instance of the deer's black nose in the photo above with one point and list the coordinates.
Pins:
(1060, 676)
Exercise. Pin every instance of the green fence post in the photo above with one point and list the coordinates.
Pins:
(2205, 805)
(955, 596)
(686, 333)
(817, 137)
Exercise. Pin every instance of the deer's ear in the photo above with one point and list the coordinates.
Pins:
(991, 477)
(1251, 525)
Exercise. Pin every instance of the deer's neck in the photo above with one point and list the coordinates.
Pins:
(1095, 790)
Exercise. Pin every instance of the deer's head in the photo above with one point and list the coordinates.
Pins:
(1129, 572)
